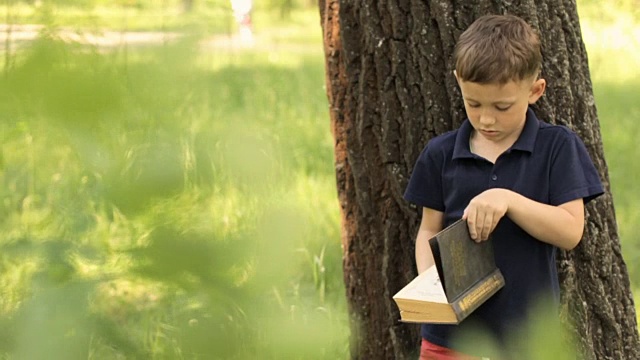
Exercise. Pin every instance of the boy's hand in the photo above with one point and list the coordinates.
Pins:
(485, 211)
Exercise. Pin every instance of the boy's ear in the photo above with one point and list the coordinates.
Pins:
(537, 89)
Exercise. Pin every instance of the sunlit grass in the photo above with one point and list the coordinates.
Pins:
(613, 48)
(619, 114)
(160, 168)
(613, 45)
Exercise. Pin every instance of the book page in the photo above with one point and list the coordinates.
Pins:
(425, 287)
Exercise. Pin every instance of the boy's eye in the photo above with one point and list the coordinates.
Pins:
(503, 108)
(473, 105)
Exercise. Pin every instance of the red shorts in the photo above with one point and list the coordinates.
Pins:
(431, 351)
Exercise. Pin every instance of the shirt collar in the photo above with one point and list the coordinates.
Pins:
(526, 141)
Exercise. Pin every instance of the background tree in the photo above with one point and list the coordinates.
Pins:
(187, 5)
(390, 89)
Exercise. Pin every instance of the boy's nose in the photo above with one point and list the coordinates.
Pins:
(487, 119)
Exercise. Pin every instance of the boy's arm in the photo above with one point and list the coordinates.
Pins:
(430, 225)
(560, 225)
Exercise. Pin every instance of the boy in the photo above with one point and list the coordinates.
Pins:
(510, 175)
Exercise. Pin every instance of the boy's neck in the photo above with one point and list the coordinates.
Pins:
(487, 149)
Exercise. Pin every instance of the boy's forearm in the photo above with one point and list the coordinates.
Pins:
(561, 226)
(424, 256)
(430, 224)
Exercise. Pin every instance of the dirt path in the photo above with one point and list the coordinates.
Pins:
(20, 35)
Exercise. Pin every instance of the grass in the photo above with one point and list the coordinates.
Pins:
(210, 165)
(155, 201)
(613, 46)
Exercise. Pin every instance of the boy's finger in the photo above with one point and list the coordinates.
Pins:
(471, 224)
(487, 226)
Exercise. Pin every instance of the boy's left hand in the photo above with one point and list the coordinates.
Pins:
(485, 211)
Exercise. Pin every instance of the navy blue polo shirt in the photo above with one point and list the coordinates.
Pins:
(548, 164)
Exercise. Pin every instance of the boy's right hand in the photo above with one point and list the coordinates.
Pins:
(485, 211)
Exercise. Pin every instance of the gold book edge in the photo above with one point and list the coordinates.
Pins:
(455, 312)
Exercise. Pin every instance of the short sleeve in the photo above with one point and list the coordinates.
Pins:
(572, 173)
(425, 185)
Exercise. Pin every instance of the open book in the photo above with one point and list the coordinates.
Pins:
(464, 276)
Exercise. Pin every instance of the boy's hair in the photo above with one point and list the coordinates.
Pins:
(497, 49)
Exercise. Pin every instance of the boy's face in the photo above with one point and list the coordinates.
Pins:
(497, 112)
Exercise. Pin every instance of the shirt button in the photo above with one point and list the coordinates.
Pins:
(494, 177)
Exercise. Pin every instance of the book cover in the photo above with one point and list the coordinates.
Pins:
(465, 260)
(464, 276)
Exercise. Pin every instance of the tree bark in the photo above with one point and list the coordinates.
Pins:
(390, 89)
(187, 5)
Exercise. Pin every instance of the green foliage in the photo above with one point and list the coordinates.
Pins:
(541, 337)
(158, 204)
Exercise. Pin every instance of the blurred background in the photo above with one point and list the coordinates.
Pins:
(167, 186)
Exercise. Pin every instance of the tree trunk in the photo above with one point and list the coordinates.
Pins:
(187, 5)
(390, 89)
